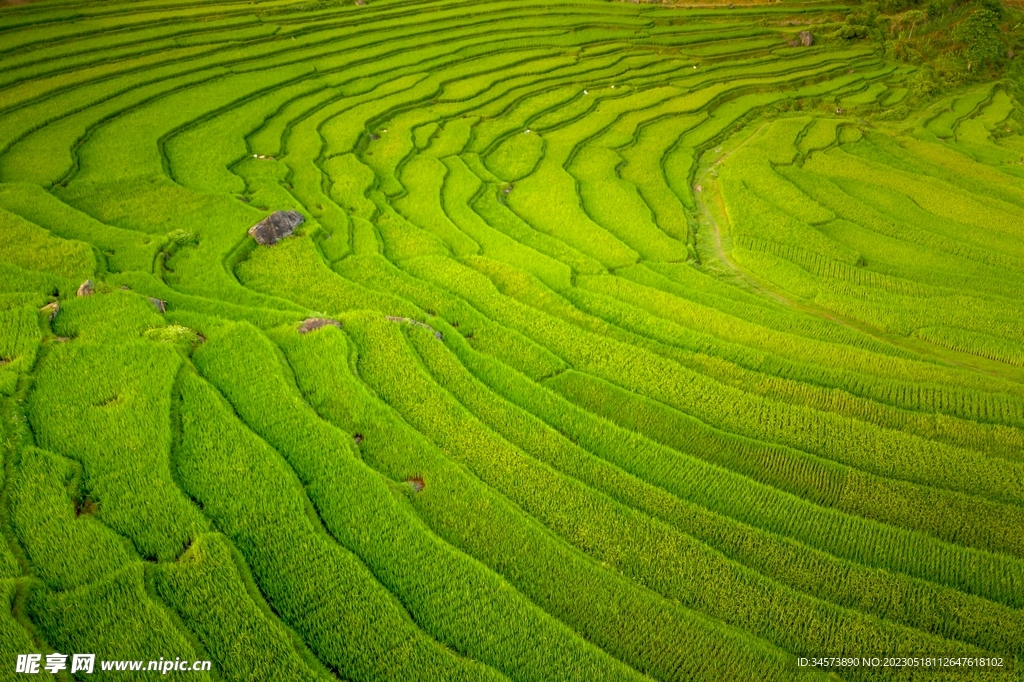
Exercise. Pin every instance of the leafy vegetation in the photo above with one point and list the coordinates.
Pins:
(619, 341)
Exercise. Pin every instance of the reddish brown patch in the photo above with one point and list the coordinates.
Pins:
(85, 507)
(314, 323)
(416, 483)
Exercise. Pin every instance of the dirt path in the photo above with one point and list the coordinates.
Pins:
(759, 285)
(736, 270)
(705, 180)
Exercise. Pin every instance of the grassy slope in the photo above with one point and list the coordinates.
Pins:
(667, 350)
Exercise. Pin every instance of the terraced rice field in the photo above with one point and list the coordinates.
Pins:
(655, 353)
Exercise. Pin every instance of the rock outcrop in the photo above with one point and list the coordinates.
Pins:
(275, 226)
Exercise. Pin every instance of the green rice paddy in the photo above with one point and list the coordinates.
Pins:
(659, 348)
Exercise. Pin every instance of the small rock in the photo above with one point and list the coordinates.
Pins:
(358, 438)
(806, 38)
(52, 308)
(276, 226)
(416, 483)
(840, 111)
(160, 305)
(86, 288)
(314, 323)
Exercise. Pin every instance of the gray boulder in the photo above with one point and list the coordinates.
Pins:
(806, 38)
(275, 226)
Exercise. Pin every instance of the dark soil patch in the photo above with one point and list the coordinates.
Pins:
(416, 483)
(85, 507)
(314, 323)
(112, 400)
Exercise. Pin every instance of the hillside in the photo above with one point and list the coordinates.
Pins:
(607, 341)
